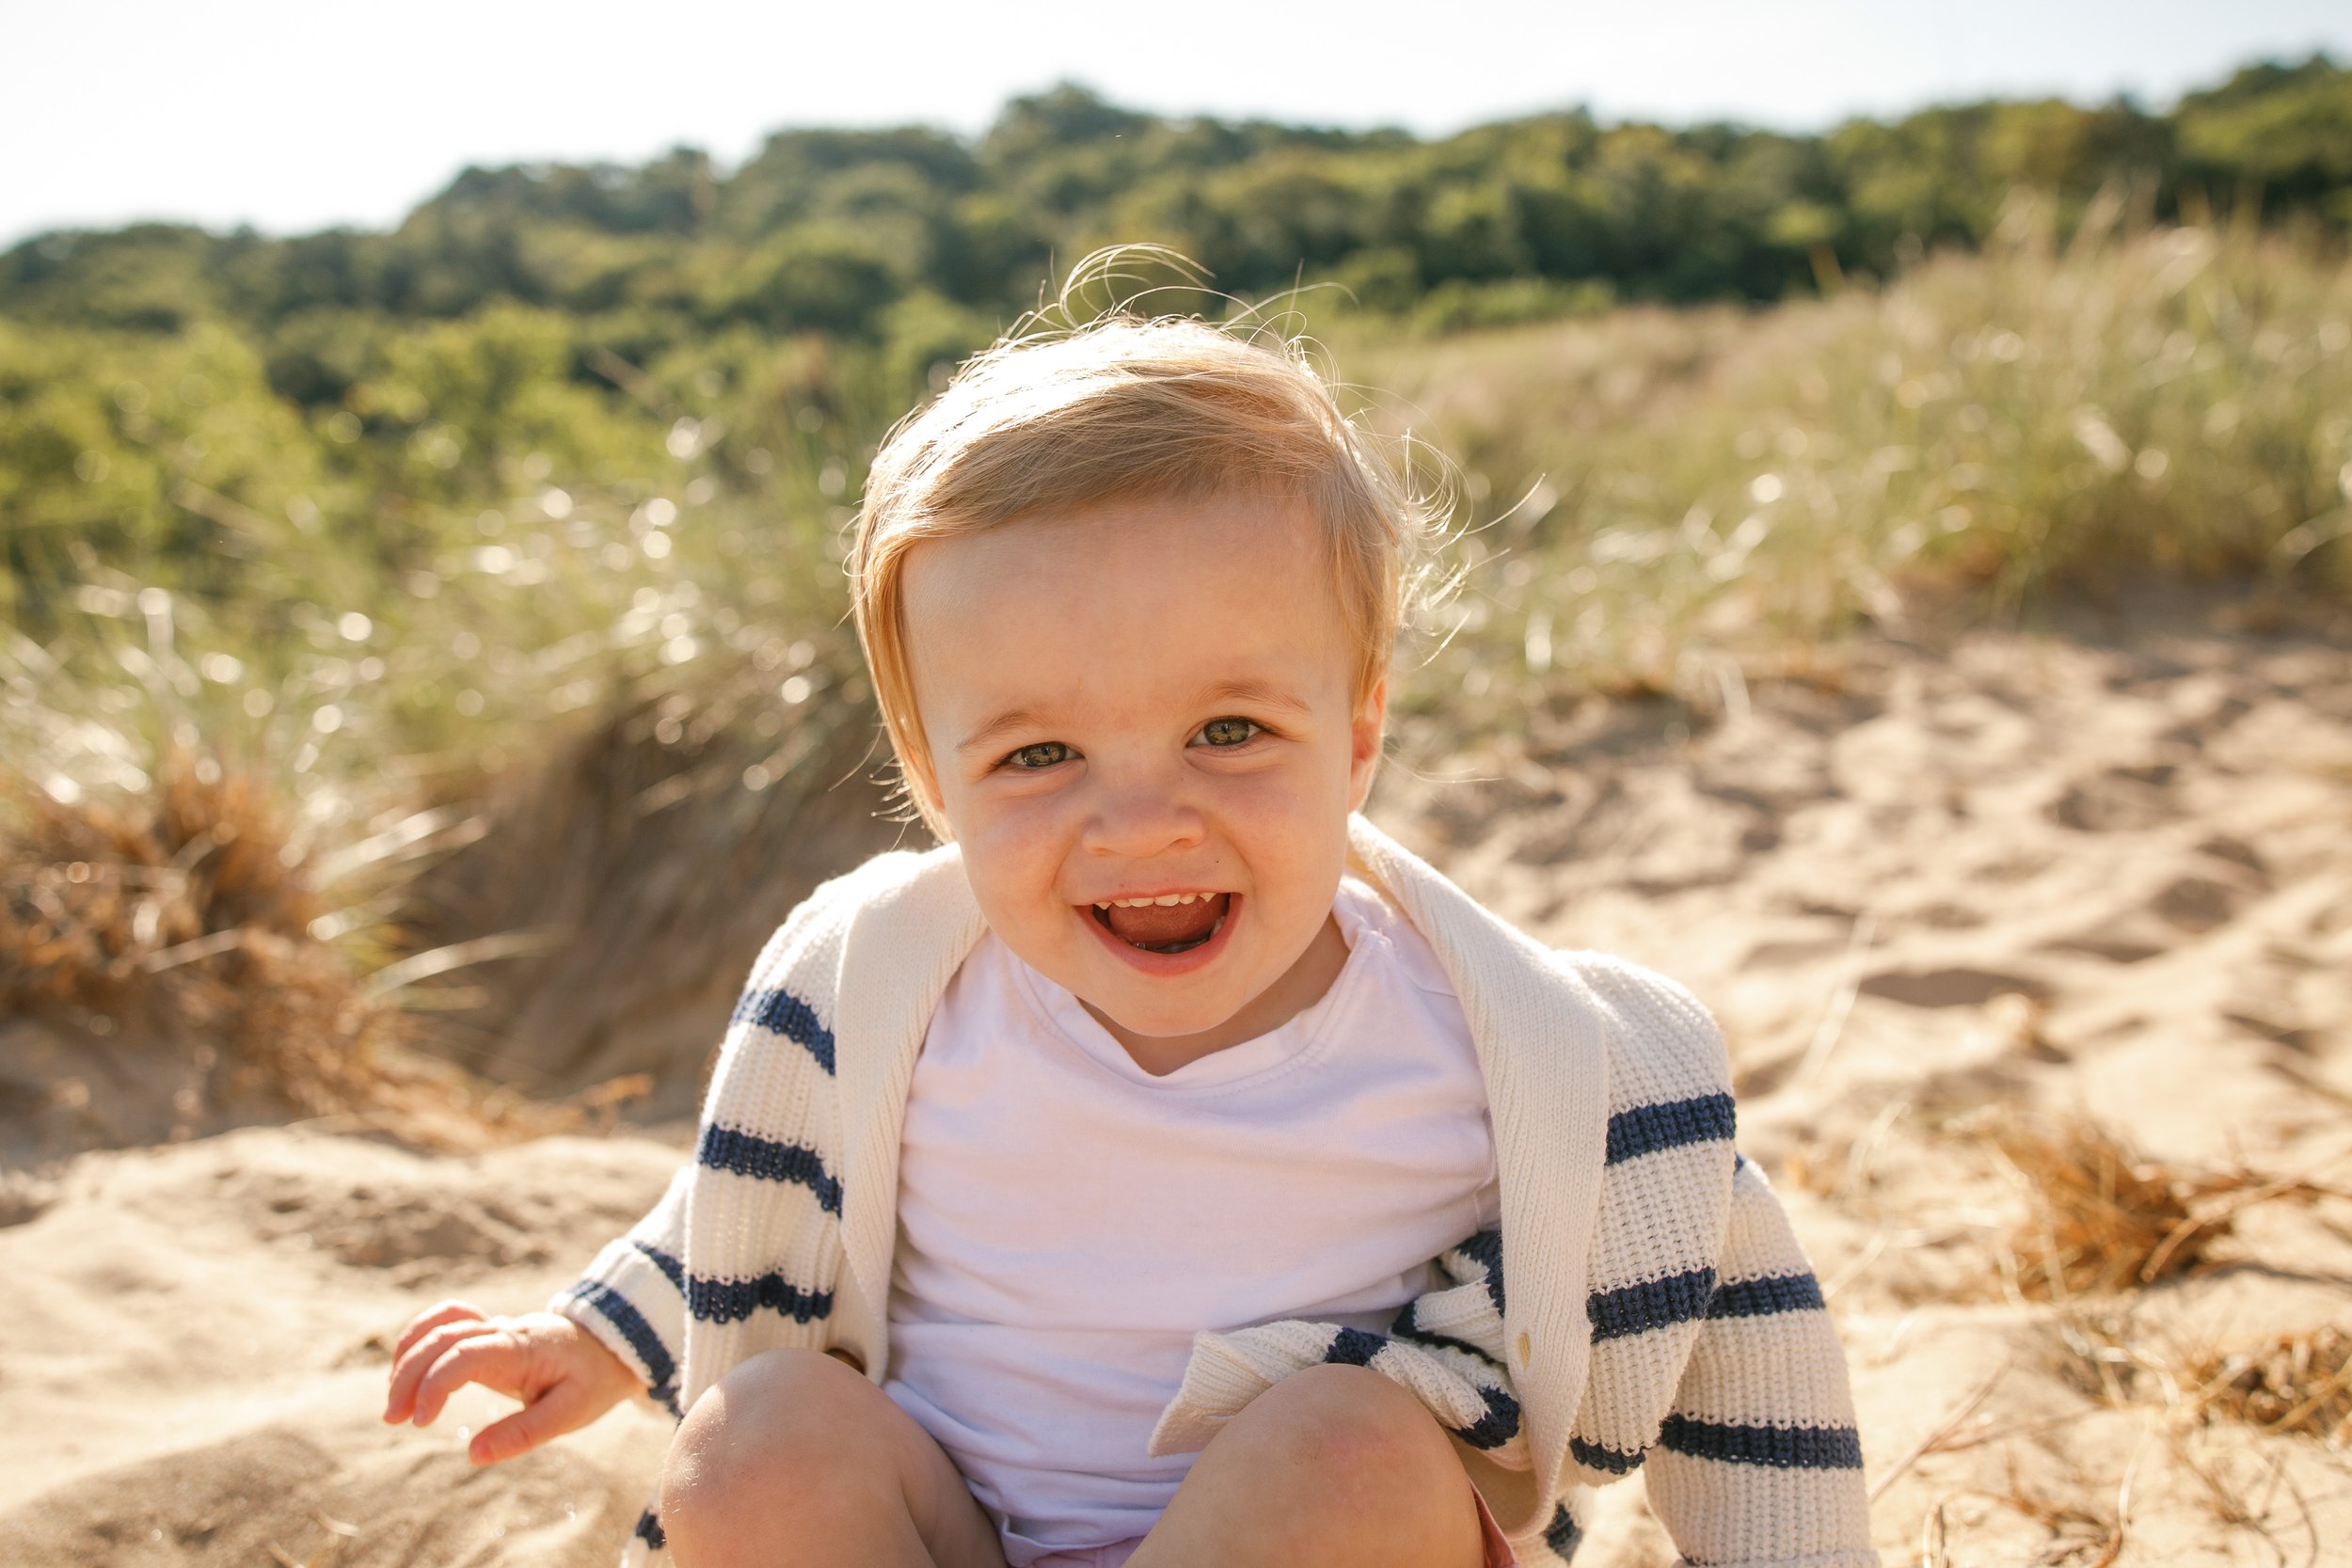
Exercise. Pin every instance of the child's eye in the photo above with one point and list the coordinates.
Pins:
(1046, 753)
(1227, 733)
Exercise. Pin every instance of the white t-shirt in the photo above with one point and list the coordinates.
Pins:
(1067, 1221)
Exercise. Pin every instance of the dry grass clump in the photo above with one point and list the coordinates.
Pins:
(2102, 1218)
(105, 899)
(2294, 1385)
(2298, 1383)
(180, 921)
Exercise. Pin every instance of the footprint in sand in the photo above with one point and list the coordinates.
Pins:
(2120, 800)
(1958, 986)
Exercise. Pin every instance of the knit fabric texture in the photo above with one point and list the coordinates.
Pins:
(1656, 1312)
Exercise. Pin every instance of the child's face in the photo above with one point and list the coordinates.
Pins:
(1141, 700)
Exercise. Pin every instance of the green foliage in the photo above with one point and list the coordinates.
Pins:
(123, 445)
(829, 278)
(2279, 133)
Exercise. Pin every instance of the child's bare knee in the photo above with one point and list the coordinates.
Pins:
(1362, 1440)
(1333, 1465)
(777, 1433)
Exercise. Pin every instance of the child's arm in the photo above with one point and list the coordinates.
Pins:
(1758, 1462)
(633, 1297)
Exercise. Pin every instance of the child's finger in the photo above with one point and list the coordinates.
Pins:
(430, 1319)
(557, 1412)
(484, 1358)
(417, 1359)
(400, 1402)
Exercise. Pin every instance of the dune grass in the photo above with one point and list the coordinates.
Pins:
(1669, 496)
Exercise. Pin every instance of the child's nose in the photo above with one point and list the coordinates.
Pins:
(1138, 819)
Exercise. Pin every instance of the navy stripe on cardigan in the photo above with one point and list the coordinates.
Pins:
(1773, 1293)
(1405, 1328)
(1562, 1535)
(783, 1013)
(730, 1149)
(1640, 1129)
(1652, 1303)
(726, 1301)
(1594, 1456)
(1498, 1426)
(1783, 1447)
(1485, 1250)
(641, 1336)
(649, 1530)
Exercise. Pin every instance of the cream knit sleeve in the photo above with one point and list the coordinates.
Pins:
(636, 1296)
(1757, 1464)
(1715, 1369)
(632, 1296)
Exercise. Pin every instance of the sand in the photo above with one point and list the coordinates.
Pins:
(1943, 895)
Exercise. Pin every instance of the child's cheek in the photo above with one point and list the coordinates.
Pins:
(1013, 854)
(1289, 827)
(1273, 808)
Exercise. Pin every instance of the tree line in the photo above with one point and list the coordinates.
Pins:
(828, 230)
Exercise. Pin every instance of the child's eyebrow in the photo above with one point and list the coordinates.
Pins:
(1257, 693)
(1003, 724)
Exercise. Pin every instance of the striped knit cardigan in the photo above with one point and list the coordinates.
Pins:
(1658, 1311)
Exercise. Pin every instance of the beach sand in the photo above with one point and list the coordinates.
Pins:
(2015, 882)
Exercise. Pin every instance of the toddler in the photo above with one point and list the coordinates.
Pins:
(1171, 1170)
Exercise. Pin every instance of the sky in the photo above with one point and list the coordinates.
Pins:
(293, 116)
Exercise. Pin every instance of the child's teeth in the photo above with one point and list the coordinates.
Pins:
(1163, 901)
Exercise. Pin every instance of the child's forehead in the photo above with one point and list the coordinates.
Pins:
(1112, 617)
(1125, 542)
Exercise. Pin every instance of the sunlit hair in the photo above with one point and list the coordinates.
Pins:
(1061, 414)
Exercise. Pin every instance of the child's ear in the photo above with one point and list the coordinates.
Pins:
(1363, 749)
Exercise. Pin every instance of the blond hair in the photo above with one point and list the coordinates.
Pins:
(1125, 407)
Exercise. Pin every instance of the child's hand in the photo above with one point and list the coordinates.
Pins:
(564, 1378)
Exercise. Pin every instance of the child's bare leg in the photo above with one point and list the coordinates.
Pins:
(793, 1460)
(1332, 1468)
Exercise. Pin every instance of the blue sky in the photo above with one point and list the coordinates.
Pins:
(291, 117)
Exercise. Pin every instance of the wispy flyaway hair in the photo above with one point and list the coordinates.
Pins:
(1059, 417)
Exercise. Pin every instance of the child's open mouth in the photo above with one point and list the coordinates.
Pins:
(1171, 923)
